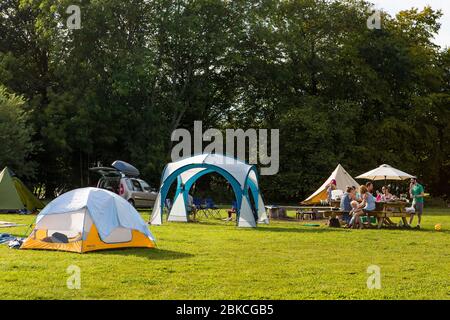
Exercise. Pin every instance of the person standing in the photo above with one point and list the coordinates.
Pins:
(330, 188)
(416, 193)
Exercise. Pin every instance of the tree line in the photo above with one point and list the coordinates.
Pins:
(338, 91)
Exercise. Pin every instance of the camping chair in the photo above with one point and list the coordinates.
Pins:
(200, 206)
(212, 208)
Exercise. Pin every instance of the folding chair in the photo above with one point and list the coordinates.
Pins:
(212, 208)
(198, 203)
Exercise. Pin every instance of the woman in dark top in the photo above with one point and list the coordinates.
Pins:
(345, 204)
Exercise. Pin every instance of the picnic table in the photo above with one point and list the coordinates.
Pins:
(314, 212)
(389, 209)
(275, 212)
(300, 211)
(392, 209)
(335, 203)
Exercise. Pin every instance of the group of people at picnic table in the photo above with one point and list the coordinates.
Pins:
(359, 202)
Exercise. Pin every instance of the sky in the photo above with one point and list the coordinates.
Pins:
(394, 6)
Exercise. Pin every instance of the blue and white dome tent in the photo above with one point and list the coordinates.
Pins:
(242, 177)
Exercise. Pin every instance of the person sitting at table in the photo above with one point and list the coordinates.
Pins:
(354, 205)
(353, 193)
(191, 207)
(378, 198)
(330, 188)
(366, 206)
(369, 186)
(386, 194)
(357, 196)
(345, 206)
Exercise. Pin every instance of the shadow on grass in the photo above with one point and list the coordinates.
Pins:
(426, 231)
(233, 224)
(292, 226)
(151, 254)
(298, 229)
(323, 229)
(201, 222)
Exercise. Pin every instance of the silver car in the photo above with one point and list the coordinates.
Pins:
(122, 178)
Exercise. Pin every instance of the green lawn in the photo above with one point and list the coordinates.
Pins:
(213, 259)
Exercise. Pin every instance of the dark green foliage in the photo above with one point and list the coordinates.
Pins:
(137, 70)
(15, 136)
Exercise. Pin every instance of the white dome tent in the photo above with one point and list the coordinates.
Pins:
(242, 177)
(89, 219)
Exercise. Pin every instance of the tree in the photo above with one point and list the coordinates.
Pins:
(137, 70)
(15, 135)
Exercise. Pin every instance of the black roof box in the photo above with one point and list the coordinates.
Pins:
(126, 168)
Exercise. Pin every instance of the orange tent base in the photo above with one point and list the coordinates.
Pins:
(92, 242)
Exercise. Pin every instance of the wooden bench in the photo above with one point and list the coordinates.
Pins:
(337, 213)
(276, 212)
(300, 211)
(382, 216)
(300, 214)
(314, 212)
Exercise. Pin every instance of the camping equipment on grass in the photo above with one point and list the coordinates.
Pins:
(242, 177)
(89, 219)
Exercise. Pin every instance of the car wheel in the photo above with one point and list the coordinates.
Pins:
(131, 201)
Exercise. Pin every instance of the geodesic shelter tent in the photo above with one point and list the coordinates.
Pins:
(242, 177)
(89, 219)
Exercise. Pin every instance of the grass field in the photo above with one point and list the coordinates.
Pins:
(213, 259)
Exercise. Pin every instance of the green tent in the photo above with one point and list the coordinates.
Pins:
(14, 195)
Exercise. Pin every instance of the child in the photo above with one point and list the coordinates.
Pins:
(355, 209)
(379, 196)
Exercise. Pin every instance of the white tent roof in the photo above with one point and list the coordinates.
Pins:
(343, 179)
(385, 172)
(107, 209)
(238, 169)
(186, 175)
